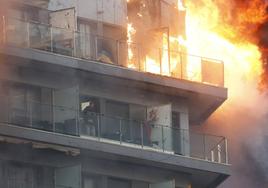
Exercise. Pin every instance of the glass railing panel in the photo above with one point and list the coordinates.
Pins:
(192, 69)
(89, 124)
(40, 36)
(106, 50)
(177, 141)
(110, 128)
(131, 132)
(215, 148)
(167, 140)
(4, 109)
(17, 32)
(215, 77)
(156, 136)
(41, 116)
(65, 120)
(129, 55)
(176, 66)
(197, 145)
(152, 61)
(2, 29)
(62, 41)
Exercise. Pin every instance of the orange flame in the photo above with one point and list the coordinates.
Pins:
(211, 32)
(205, 37)
(130, 32)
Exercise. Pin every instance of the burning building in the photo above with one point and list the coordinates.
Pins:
(105, 94)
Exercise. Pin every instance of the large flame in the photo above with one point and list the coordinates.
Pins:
(130, 32)
(211, 32)
(207, 37)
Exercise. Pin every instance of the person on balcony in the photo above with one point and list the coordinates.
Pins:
(90, 119)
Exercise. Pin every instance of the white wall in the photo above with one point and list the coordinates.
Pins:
(61, 4)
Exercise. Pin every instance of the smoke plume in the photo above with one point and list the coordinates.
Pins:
(243, 118)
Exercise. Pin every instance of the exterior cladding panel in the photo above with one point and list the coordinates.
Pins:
(108, 11)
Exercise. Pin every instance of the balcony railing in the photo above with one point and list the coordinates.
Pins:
(174, 64)
(115, 130)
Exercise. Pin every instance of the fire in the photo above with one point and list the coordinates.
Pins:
(151, 65)
(130, 32)
(210, 32)
(181, 6)
(206, 37)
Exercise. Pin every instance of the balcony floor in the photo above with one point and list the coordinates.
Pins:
(204, 172)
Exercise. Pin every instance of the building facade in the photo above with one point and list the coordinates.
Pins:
(75, 113)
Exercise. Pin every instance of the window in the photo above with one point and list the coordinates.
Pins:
(176, 119)
(91, 182)
(177, 132)
(23, 104)
(118, 183)
(86, 39)
(29, 105)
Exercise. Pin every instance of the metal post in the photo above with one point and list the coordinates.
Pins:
(53, 112)
(8, 109)
(181, 65)
(163, 140)
(182, 144)
(4, 29)
(169, 69)
(120, 130)
(212, 156)
(74, 47)
(98, 121)
(51, 39)
(31, 115)
(142, 142)
(28, 35)
(96, 48)
(226, 150)
(222, 74)
(139, 58)
(219, 153)
(117, 51)
(77, 122)
(160, 60)
(204, 142)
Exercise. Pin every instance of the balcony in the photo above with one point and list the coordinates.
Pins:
(142, 135)
(70, 43)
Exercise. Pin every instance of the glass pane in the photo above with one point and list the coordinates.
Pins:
(62, 124)
(17, 32)
(110, 128)
(118, 183)
(89, 123)
(157, 137)
(168, 134)
(131, 132)
(63, 41)
(106, 50)
(42, 116)
(197, 145)
(40, 36)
